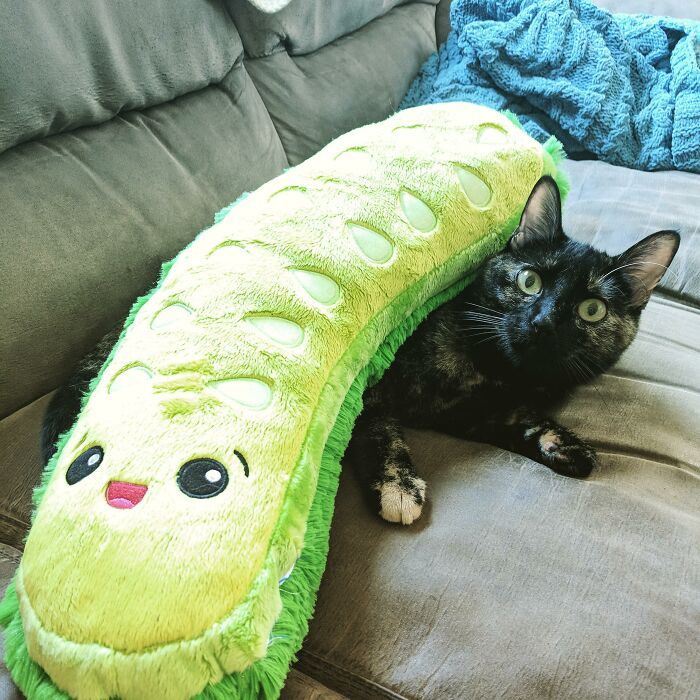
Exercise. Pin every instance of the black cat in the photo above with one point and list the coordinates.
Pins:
(543, 316)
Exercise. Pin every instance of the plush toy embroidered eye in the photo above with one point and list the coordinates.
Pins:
(202, 478)
(84, 465)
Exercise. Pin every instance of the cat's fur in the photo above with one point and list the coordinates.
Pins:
(489, 364)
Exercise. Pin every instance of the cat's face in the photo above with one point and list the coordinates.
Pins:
(563, 310)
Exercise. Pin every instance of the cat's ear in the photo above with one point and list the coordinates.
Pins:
(645, 262)
(541, 218)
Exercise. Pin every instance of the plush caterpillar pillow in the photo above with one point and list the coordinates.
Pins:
(182, 527)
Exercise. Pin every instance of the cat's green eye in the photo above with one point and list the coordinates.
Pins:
(592, 310)
(529, 281)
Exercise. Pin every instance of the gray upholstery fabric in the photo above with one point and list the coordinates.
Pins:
(302, 687)
(613, 207)
(305, 25)
(357, 79)
(442, 21)
(66, 64)
(518, 583)
(89, 216)
(20, 470)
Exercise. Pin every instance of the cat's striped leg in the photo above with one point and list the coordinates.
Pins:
(527, 432)
(392, 474)
(554, 446)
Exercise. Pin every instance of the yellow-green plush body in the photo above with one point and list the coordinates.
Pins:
(271, 314)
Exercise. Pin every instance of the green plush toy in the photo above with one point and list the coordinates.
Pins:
(182, 528)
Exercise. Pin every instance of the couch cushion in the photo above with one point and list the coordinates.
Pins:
(357, 79)
(613, 207)
(442, 21)
(519, 583)
(9, 559)
(299, 686)
(20, 469)
(65, 64)
(88, 217)
(304, 26)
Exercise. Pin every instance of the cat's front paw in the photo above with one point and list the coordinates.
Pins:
(565, 453)
(401, 498)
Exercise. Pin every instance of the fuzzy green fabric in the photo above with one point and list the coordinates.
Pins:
(253, 350)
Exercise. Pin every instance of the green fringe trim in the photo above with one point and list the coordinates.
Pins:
(554, 154)
(265, 678)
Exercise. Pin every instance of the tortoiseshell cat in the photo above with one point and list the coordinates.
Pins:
(541, 317)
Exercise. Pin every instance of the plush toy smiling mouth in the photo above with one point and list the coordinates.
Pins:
(122, 494)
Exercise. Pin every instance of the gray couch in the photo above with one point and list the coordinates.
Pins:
(124, 126)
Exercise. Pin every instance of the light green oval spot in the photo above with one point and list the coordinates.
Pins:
(491, 133)
(230, 254)
(477, 191)
(130, 378)
(279, 330)
(418, 213)
(292, 196)
(373, 245)
(246, 391)
(319, 287)
(353, 157)
(174, 313)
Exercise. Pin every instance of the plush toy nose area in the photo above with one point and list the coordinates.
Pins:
(122, 494)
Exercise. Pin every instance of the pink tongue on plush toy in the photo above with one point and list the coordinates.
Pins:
(122, 494)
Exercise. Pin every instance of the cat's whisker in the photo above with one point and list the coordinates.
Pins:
(572, 369)
(484, 319)
(472, 321)
(474, 314)
(470, 330)
(485, 340)
(485, 331)
(488, 319)
(633, 264)
(586, 374)
(488, 308)
(600, 369)
(594, 375)
(498, 335)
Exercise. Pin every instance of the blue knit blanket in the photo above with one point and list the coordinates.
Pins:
(622, 88)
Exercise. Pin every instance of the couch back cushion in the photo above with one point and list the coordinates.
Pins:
(354, 79)
(127, 126)
(304, 26)
(68, 64)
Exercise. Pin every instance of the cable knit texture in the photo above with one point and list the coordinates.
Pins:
(622, 88)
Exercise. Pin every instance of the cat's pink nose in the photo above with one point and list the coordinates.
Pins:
(122, 494)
